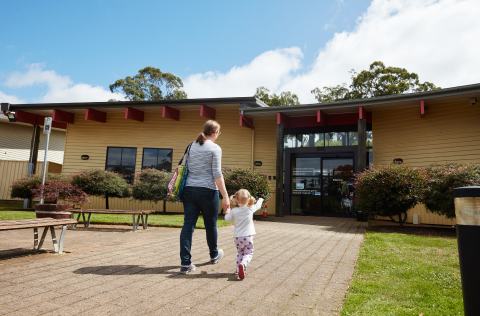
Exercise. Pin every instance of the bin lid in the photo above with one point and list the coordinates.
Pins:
(462, 192)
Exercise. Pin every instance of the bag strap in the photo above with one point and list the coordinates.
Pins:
(187, 153)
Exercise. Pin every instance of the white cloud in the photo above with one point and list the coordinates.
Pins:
(271, 69)
(5, 98)
(59, 88)
(437, 39)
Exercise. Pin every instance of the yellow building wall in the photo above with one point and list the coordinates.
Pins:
(448, 133)
(10, 170)
(92, 139)
(265, 150)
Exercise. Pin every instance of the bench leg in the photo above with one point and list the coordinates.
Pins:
(84, 221)
(145, 225)
(135, 222)
(78, 219)
(35, 238)
(88, 221)
(62, 237)
(42, 239)
(54, 238)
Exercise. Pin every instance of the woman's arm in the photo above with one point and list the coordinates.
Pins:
(223, 191)
(218, 176)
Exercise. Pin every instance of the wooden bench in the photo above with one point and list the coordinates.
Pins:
(139, 214)
(35, 223)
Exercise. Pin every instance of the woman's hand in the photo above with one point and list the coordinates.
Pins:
(226, 204)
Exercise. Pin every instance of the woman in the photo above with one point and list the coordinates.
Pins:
(200, 194)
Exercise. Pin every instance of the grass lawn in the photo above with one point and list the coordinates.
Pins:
(400, 274)
(10, 205)
(153, 219)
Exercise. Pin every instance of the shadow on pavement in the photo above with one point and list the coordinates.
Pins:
(171, 271)
(20, 252)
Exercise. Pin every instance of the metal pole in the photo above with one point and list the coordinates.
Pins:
(45, 164)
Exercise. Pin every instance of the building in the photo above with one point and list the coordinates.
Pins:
(308, 152)
(15, 143)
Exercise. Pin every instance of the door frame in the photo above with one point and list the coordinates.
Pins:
(327, 152)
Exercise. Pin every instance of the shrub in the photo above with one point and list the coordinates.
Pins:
(253, 181)
(440, 181)
(102, 183)
(21, 188)
(60, 191)
(388, 190)
(151, 185)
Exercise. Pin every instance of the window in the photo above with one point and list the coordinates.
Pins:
(122, 161)
(336, 139)
(157, 158)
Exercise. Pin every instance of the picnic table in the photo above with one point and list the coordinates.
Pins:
(35, 223)
(139, 214)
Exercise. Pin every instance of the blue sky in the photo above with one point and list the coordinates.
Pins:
(47, 46)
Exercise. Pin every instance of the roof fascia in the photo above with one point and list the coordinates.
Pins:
(370, 101)
(252, 102)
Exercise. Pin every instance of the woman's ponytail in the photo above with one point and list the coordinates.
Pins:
(201, 138)
(209, 128)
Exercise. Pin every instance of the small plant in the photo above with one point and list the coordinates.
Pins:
(388, 190)
(102, 183)
(253, 181)
(440, 181)
(151, 185)
(22, 188)
(60, 191)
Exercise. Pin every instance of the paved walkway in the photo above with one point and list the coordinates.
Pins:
(301, 266)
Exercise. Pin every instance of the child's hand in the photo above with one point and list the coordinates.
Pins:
(227, 211)
(261, 199)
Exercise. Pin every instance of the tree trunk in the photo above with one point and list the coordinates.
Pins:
(106, 202)
(164, 206)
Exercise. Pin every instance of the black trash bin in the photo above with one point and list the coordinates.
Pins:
(467, 211)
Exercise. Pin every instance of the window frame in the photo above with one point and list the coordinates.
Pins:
(143, 158)
(121, 159)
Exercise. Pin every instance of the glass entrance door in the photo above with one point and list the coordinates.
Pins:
(321, 186)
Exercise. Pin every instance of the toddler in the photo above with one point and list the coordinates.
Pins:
(242, 217)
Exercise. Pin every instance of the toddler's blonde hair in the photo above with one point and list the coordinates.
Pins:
(242, 196)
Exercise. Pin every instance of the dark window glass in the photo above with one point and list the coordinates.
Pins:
(122, 161)
(114, 156)
(157, 158)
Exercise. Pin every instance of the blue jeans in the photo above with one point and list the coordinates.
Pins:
(198, 200)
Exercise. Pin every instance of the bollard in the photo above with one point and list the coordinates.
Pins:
(265, 213)
(467, 211)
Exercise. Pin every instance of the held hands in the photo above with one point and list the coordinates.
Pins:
(227, 211)
(225, 204)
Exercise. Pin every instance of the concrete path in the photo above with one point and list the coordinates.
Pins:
(301, 266)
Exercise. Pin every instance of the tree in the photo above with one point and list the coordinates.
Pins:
(150, 84)
(284, 99)
(102, 183)
(378, 81)
(388, 190)
(21, 188)
(437, 194)
(151, 185)
(256, 183)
